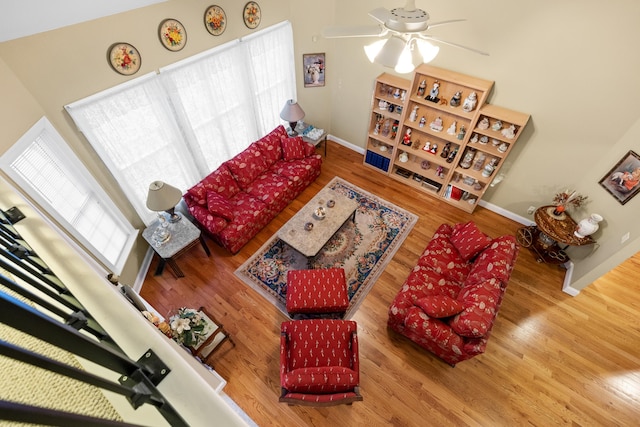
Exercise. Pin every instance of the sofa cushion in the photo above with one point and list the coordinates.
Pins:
(495, 261)
(293, 148)
(272, 189)
(247, 166)
(221, 181)
(331, 379)
(469, 240)
(439, 305)
(270, 147)
(481, 303)
(441, 256)
(219, 205)
(423, 281)
(212, 223)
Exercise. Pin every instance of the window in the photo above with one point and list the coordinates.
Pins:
(179, 125)
(45, 168)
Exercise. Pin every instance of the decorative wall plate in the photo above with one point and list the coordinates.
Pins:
(215, 20)
(172, 34)
(124, 58)
(252, 15)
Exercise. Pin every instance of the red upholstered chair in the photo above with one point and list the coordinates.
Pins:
(319, 364)
(319, 291)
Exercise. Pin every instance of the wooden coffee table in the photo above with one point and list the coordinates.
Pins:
(310, 242)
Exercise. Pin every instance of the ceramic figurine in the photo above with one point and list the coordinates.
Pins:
(497, 125)
(474, 138)
(406, 139)
(462, 133)
(433, 93)
(391, 108)
(427, 146)
(422, 88)
(423, 122)
(394, 129)
(434, 148)
(452, 155)
(445, 150)
(470, 102)
(478, 161)
(436, 125)
(386, 128)
(396, 93)
(403, 157)
(452, 128)
(440, 172)
(503, 147)
(376, 130)
(383, 105)
(484, 140)
(495, 142)
(490, 167)
(484, 123)
(468, 158)
(414, 114)
(509, 132)
(455, 99)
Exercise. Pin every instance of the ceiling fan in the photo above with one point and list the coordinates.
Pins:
(409, 42)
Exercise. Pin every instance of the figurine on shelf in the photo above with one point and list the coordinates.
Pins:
(394, 129)
(503, 147)
(427, 146)
(440, 172)
(462, 133)
(416, 144)
(484, 140)
(452, 128)
(470, 102)
(403, 95)
(509, 132)
(403, 157)
(434, 148)
(452, 155)
(391, 108)
(414, 114)
(474, 138)
(406, 139)
(422, 88)
(433, 93)
(478, 161)
(396, 93)
(423, 122)
(386, 128)
(455, 99)
(495, 142)
(445, 150)
(468, 158)
(497, 125)
(376, 130)
(483, 124)
(436, 125)
(383, 105)
(490, 167)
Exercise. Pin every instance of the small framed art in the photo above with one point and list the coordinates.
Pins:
(252, 15)
(623, 180)
(215, 20)
(124, 58)
(172, 34)
(314, 69)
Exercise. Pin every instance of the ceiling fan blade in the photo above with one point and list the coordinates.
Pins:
(450, 21)
(381, 14)
(435, 39)
(356, 31)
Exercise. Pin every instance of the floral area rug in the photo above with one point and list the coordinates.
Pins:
(363, 248)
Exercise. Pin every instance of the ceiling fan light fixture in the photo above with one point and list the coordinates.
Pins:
(427, 50)
(372, 50)
(390, 52)
(406, 61)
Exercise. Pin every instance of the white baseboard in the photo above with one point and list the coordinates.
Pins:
(144, 268)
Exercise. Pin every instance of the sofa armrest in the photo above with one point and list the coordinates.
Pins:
(212, 223)
(355, 359)
(309, 149)
(284, 358)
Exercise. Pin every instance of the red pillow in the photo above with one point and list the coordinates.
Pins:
(220, 206)
(293, 148)
(469, 240)
(439, 305)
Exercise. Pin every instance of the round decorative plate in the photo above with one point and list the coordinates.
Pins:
(172, 34)
(215, 20)
(252, 15)
(124, 58)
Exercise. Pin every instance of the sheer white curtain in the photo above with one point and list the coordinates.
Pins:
(180, 125)
(134, 131)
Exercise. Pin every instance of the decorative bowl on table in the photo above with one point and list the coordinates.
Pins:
(331, 203)
(308, 226)
(319, 213)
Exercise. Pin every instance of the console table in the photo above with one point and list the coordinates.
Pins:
(550, 231)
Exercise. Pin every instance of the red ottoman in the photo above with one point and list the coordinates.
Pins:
(317, 291)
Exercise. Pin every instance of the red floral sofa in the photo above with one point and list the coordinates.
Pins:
(234, 202)
(450, 300)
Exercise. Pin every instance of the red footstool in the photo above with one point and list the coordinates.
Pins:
(317, 291)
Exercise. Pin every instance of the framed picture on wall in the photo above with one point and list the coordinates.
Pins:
(623, 180)
(314, 69)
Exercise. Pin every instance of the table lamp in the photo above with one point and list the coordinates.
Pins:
(164, 197)
(292, 112)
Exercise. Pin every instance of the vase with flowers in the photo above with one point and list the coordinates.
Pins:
(567, 198)
(188, 326)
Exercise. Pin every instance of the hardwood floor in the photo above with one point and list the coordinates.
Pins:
(552, 359)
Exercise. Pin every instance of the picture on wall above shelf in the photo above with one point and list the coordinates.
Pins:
(172, 35)
(215, 20)
(124, 58)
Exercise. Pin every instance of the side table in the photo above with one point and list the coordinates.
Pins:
(184, 235)
(303, 130)
(550, 231)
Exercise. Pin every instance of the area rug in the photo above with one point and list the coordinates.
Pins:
(363, 248)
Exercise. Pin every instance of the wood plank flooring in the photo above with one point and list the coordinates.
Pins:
(552, 359)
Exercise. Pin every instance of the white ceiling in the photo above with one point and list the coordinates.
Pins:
(25, 17)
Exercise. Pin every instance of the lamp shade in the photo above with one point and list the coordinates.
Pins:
(292, 112)
(162, 196)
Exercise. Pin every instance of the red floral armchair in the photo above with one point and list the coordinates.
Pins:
(319, 364)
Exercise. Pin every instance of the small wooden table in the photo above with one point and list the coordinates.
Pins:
(184, 235)
(550, 231)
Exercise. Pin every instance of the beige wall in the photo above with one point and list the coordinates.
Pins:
(569, 64)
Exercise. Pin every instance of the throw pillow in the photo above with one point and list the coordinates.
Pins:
(469, 240)
(293, 148)
(220, 206)
(439, 306)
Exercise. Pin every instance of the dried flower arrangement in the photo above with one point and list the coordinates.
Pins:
(568, 198)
